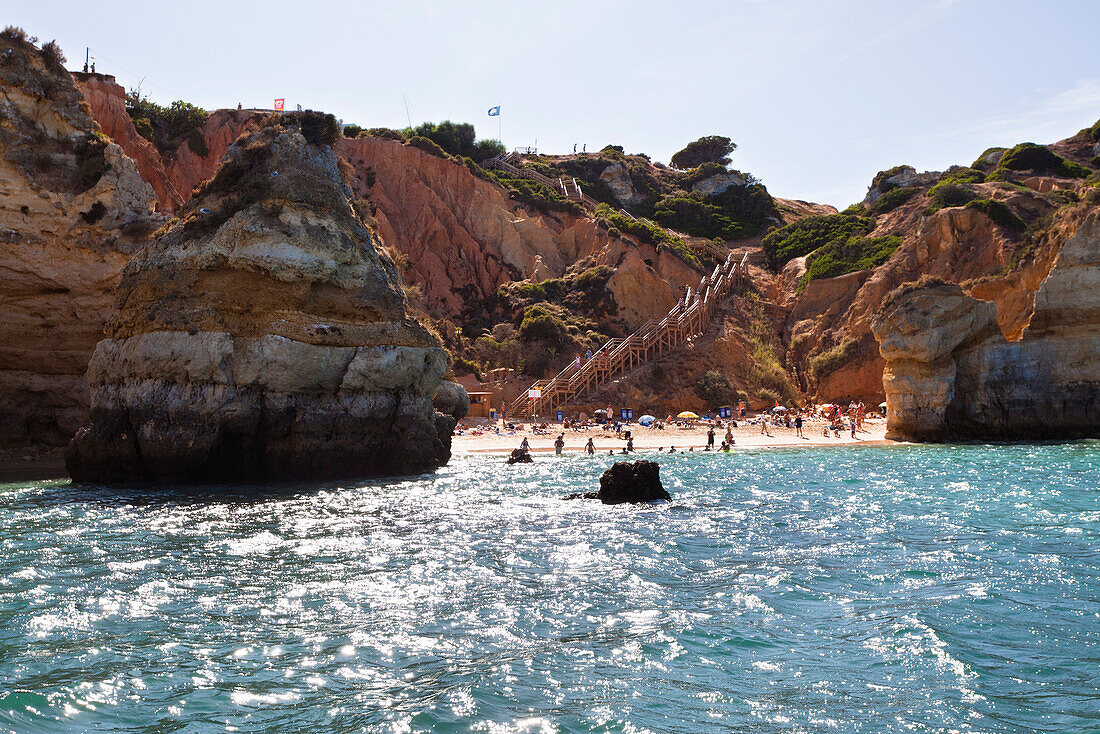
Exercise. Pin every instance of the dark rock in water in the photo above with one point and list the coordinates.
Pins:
(628, 481)
(519, 456)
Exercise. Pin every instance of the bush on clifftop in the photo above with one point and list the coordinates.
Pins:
(457, 139)
(165, 127)
(1038, 158)
(707, 149)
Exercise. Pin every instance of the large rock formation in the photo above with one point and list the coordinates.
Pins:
(264, 336)
(72, 211)
(950, 373)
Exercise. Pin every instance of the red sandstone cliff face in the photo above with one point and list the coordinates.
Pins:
(464, 237)
(175, 176)
(186, 170)
(107, 101)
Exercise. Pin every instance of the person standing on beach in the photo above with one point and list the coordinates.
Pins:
(729, 436)
(710, 438)
(764, 426)
(798, 425)
(853, 423)
(559, 443)
(590, 447)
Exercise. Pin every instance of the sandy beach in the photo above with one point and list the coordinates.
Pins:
(649, 440)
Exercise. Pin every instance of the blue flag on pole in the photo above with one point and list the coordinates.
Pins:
(494, 111)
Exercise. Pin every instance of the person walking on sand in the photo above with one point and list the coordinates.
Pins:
(590, 447)
(559, 443)
(798, 425)
(710, 438)
(764, 426)
(853, 423)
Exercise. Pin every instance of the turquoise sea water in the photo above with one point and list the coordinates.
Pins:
(924, 589)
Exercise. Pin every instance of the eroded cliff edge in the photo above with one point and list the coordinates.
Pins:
(264, 335)
(951, 374)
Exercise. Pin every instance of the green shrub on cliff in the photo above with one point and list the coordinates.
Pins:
(457, 139)
(645, 232)
(879, 181)
(90, 160)
(856, 253)
(197, 143)
(894, 198)
(830, 361)
(999, 212)
(944, 195)
(166, 127)
(427, 145)
(539, 324)
(707, 149)
(808, 234)
(715, 389)
(1037, 158)
(961, 175)
(383, 132)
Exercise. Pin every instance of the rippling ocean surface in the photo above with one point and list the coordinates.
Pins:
(905, 588)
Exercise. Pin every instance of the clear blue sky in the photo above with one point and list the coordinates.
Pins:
(819, 95)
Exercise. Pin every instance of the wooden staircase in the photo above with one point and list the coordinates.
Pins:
(687, 319)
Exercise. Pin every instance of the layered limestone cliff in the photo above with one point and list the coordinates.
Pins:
(264, 335)
(73, 209)
(950, 373)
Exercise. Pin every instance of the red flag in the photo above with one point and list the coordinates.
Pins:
(280, 104)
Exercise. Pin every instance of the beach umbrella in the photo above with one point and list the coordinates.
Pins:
(779, 409)
(882, 405)
(601, 411)
(645, 420)
(688, 414)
